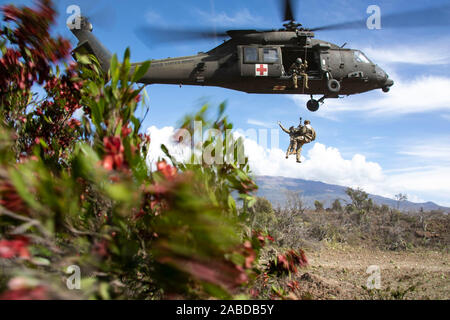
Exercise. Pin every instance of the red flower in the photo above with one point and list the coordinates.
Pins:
(101, 248)
(17, 247)
(254, 293)
(10, 199)
(289, 262)
(114, 158)
(38, 293)
(293, 285)
(262, 238)
(167, 170)
(126, 131)
(282, 260)
(74, 123)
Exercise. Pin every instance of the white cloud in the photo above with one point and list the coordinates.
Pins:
(78, 114)
(420, 95)
(165, 136)
(429, 150)
(260, 123)
(423, 54)
(431, 184)
(321, 163)
(326, 164)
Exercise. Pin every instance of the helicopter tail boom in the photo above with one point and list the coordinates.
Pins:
(88, 43)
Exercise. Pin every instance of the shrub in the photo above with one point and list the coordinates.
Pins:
(336, 206)
(318, 206)
(261, 214)
(77, 191)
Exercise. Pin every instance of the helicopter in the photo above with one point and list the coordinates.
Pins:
(258, 61)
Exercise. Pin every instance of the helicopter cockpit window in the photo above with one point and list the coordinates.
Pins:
(250, 54)
(360, 57)
(270, 55)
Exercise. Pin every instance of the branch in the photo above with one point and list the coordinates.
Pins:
(34, 222)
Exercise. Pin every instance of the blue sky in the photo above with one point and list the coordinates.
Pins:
(385, 143)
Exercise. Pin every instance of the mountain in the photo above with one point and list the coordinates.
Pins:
(275, 189)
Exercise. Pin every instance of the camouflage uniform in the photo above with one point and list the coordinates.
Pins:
(299, 68)
(307, 135)
(293, 133)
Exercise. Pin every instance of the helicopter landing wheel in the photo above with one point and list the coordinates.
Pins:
(386, 89)
(312, 105)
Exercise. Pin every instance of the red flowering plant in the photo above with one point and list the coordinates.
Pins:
(79, 191)
(30, 56)
(288, 262)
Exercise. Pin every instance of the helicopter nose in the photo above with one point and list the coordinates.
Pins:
(387, 85)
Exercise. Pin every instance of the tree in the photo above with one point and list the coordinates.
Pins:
(262, 213)
(400, 198)
(318, 206)
(359, 198)
(336, 206)
(294, 202)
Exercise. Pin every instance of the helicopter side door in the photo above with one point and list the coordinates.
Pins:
(257, 61)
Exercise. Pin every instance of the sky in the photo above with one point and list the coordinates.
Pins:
(385, 143)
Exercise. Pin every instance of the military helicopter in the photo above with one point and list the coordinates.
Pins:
(257, 61)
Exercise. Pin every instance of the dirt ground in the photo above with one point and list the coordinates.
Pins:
(339, 272)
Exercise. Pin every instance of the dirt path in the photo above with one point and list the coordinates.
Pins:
(339, 272)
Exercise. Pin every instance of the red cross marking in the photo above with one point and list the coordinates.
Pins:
(262, 70)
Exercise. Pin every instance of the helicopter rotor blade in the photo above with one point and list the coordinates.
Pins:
(288, 10)
(104, 17)
(152, 35)
(431, 17)
(100, 13)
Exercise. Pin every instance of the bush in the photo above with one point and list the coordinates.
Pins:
(261, 214)
(336, 206)
(77, 191)
(318, 206)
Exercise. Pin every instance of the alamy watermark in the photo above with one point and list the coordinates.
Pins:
(374, 20)
(74, 19)
(213, 146)
(374, 280)
(73, 282)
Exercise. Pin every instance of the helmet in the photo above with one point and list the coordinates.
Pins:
(307, 122)
(299, 61)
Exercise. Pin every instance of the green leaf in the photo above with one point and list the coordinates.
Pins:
(21, 186)
(141, 71)
(104, 291)
(83, 59)
(114, 71)
(40, 261)
(119, 192)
